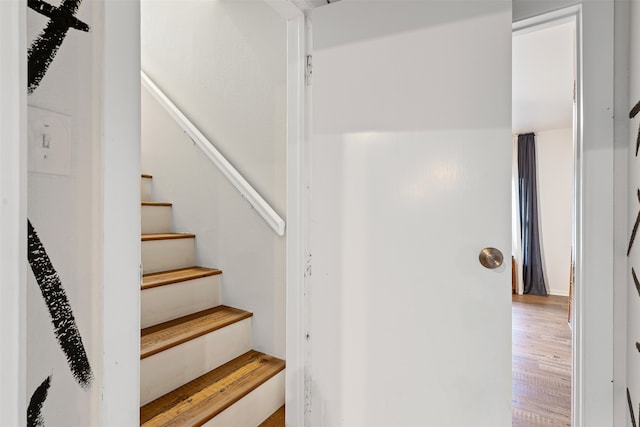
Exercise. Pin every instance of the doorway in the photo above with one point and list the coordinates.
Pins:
(544, 119)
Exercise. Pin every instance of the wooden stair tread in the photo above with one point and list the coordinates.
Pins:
(167, 236)
(275, 420)
(162, 278)
(157, 338)
(145, 175)
(198, 401)
(156, 204)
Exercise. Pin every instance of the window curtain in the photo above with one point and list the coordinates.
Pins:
(516, 249)
(532, 272)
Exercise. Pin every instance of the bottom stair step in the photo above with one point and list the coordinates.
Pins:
(254, 378)
(275, 420)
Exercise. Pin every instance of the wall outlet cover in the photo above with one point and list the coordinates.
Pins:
(49, 136)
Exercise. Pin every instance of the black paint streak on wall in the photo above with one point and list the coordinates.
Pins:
(46, 45)
(635, 228)
(634, 111)
(635, 280)
(64, 323)
(631, 413)
(638, 141)
(638, 346)
(34, 417)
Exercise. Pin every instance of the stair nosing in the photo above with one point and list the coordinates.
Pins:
(205, 272)
(278, 365)
(166, 236)
(241, 315)
(147, 203)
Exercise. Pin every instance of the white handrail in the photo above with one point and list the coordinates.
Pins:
(241, 184)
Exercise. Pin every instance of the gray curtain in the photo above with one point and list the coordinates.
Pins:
(532, 274)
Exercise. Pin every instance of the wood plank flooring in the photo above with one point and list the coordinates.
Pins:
(541, 353)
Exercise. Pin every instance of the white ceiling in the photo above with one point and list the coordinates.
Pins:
(543, 79)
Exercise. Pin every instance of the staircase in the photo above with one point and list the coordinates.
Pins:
(196, 362)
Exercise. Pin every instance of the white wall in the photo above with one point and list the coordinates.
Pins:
(63, 211)
(621, 212)
(555, 199)
(632, 295)
(13, 210)
(227, 73)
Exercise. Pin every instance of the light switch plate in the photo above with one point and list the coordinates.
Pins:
(49, 142)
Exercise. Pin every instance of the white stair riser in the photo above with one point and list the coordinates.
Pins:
(169, 254)
(156, 219)
(145, 190)
(255, 407)
(169, 369)
(169, 302)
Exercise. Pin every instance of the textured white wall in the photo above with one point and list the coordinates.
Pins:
(633, 294)
(555, 192)
(224, 65)
(13, 183)
(62, 210)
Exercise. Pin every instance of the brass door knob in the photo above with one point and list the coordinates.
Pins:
(491, 258)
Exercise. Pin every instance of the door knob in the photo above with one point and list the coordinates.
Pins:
(491, 258)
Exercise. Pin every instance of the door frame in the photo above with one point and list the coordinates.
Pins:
(298, 35)
(539, 22)
(593, 344)
(13, 211)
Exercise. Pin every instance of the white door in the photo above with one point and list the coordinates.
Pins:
(410, 180)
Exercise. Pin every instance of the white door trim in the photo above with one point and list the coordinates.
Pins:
(296, 235)
(592, 338)
(13, 211)
(297, 144)
(120, 317)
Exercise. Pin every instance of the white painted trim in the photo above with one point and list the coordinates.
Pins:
(296, 239)
(592, 339)
(13, 212)
(121, 213)
(238, 181)
(296, 149)
(289, 9)
(550, 19)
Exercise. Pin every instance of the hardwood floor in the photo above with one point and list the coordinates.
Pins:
(541, 353)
